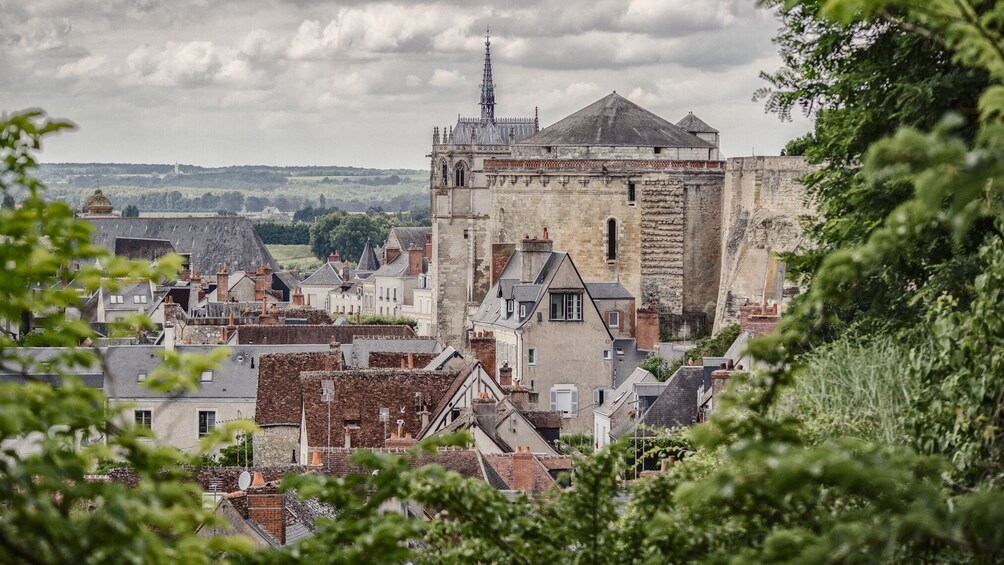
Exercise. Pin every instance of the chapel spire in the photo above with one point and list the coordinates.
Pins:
(487, 86)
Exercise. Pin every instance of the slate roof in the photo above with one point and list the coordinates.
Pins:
(622, 393)
(208, 240)
(368, 261)
(398, 267)
(608, 291)
(693, 124)
(36, 370)
(508, 287)
(475, 130)
(127, 293)
(677, 405)
(236, 377)
(615, 121)
(625, 364)
(329, 274)
(404, 237)
(443, 358)
(322, 334)
(142, 248)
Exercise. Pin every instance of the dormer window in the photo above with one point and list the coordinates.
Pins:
(524, 310)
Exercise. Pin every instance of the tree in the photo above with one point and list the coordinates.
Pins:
(51, 512)
(130, 211)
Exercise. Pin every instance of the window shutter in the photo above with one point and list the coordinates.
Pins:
(596, 397)
(575, 402)
(554, 399)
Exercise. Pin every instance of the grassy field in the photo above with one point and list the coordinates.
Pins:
(296, 257)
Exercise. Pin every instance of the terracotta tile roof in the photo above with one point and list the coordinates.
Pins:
(324, 333)
(544, 419)
(279, 396)
(463, 461)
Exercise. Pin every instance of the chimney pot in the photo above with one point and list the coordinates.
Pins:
(258, 481)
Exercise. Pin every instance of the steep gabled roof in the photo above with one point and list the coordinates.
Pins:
(622, 393)
(368, 261)
(615, 121)
(403, 238)
(693, 124)
(327, 275)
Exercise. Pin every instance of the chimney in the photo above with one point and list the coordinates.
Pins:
(399, 439)
(522, 469)
(483, 348)
(222, 284)
(533, 255)
(390, 253)
(501, 252)
(185, 275)
(758, 319)
(647, 328)
(297, 297)
(168, 336)
(333, 257)
(414, 260)
(259, 283)
(505, 374)
(520, 397)
(411, 360)
(346, 274)
(267, 508)
(428, 247)
(486, 413)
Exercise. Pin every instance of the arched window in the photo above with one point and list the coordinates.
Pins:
(460, 175)
(611, 239)
(445, 173)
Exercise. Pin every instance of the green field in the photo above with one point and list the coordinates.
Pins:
(296, 257)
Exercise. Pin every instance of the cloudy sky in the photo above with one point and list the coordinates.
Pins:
(312, 82)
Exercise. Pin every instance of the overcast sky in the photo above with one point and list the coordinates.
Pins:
(312, 82)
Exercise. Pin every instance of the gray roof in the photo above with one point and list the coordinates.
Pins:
(403, 238)
(328, 275)
(368, 261)
(608, 291)
(236, 377)
(677, 405)
(693, 124)
(142, 248)
(127, 293)
(622, 393)
(490, 311)
(615, 121)
(398, 267)
(208, 240)
(440, 361)
(499, 132)
(625, 363)
(357, 353)
(26, 364)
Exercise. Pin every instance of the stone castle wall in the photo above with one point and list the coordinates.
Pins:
(762, 201)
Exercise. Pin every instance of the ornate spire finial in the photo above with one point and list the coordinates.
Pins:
(487, 85)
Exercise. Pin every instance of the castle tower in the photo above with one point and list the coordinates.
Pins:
(461, 204)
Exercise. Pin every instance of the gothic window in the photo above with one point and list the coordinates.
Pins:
(445, 171)
(611, 239)
(460, 176)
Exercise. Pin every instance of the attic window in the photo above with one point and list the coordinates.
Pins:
(116, 299)
(508, 308)
(352, 424)
(139, 299)
(207, 377)
(141, 377)
(658, 150)
(523, 310)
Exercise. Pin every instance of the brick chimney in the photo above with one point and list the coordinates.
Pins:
(390, 253)
(297, 297)
(533, 254)
(268, 509)
(428, 247)
(334, 257)
(259, 282)
(483, 347)
(222, 283)
(647, 330)
(486, 413)
(758, 319)
(522, 469)
(399, 439)
(505, 374)
(346, 273)
(414, 261)
(501, 252)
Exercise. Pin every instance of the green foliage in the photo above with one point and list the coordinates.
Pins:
(384, 320)
(711, 346)
(238, 454)
(657, 365)
(272, 233)
(578, 444)
(347, 234)
(130, 211)
(51, 513)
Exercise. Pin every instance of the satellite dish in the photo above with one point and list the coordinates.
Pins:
(244, 481)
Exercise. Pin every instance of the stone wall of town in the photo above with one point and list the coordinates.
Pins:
(762, 201)
(277, 446)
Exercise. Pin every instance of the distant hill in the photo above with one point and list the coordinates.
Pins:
(157, 188)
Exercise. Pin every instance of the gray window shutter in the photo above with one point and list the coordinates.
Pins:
(575, 401)
(596, 398)
(554, 399)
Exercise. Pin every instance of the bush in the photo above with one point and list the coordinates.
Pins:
(382, 320)
(713, 346)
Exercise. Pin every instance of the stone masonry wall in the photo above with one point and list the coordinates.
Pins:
(762, 201)
(277, 446)
(662, 234)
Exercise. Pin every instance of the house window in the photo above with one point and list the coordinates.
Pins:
(508, 308)
(207, 376)
(631, 195)
(144, 419)
(606, 354)
(614, 319)
(566, 306)
(116, 299)
(523, 310)
(611, 239)
(565, 399)
(395, 295)
(140, 377)
(139, 299)
(531, 356)
(460, 175)
(207, 421)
